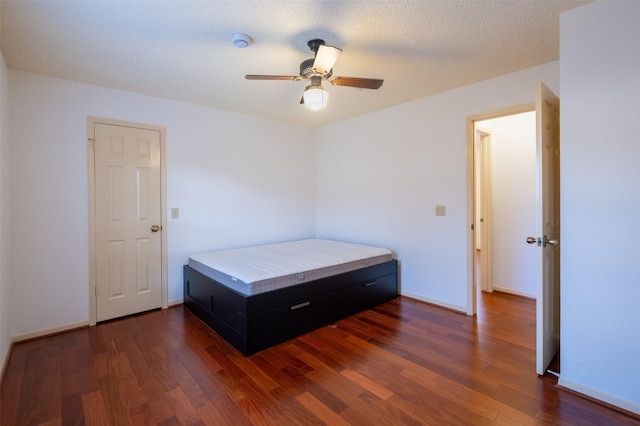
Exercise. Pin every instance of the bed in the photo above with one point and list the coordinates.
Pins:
(257, 297)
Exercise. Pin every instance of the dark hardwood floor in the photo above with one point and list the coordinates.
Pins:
(404, 362)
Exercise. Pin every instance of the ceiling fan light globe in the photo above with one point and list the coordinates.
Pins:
(315, 97)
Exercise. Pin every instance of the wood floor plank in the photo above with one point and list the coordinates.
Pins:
(477, 402)
(198, 366)
(367, 384)
(115, 401)
(184, 411)
(11, 385)
(345, 395)
(53, 422)
(142, 415)
(72, 412)
(254, 372)
(285, 406)
(41, 380)
(324, 413)
(128, 387)
(403, 362)
(158, 405)
(263, 360)
(222, 411)
(95, 409)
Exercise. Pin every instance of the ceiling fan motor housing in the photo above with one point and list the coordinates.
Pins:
(315, 44)
(307, 70)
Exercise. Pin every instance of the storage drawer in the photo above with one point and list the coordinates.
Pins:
(294, 319)
(367, 294)
(290, 295)
(286, 322)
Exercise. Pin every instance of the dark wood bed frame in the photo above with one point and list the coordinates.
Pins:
(254, 323)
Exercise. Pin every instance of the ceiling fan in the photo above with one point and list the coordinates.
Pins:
(315, 70)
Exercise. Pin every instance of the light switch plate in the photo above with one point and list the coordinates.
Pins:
(441, 210)
(175, 213)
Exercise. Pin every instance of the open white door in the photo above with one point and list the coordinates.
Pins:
(548, 188)
(486, 213)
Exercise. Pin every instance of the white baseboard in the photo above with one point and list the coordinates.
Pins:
(602, 396)
(174, 303)
(457, 308)
(514, 292)
(49, 331)
(66, 327)
(5, 361)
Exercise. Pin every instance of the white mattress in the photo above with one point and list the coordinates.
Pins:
(259, 269)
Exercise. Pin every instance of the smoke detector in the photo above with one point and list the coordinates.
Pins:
(241, 40)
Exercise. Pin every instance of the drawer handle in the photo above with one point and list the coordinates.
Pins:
(300, 305)
(370, 283)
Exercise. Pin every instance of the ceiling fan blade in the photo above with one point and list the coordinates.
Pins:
(326, 58)
(362, 83)
(272, 77)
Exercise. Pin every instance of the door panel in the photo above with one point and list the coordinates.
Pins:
(548, 158)
(486, 207)
(127, 204)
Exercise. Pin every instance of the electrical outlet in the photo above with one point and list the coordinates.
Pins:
(441, 210)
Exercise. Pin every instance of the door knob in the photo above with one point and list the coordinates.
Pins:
(531, 240)
(552, 242)
(155, 228)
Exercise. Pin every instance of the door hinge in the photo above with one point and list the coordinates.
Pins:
(96, 291)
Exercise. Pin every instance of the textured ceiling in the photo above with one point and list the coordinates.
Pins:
(182, 50)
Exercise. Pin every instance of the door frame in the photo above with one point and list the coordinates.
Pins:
(471, 199)
(91, 122)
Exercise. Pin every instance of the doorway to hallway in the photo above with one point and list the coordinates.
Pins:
(505, 203)
(546, 240)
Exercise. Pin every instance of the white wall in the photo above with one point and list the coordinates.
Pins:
(5, 225)
(236, 179)
(600, 197)
(513, 158)
(380, 176)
